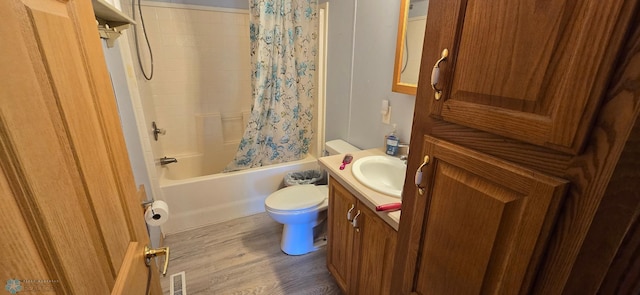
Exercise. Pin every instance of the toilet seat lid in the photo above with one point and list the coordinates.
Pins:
(297, 197)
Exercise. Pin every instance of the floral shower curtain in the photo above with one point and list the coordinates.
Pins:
(284, 47)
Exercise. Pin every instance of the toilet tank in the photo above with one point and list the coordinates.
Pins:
(339, 146)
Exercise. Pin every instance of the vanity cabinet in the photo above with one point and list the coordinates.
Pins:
(340, 233)
(361, 246)
(531, 186)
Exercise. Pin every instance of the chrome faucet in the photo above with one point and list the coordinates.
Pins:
(165, 161)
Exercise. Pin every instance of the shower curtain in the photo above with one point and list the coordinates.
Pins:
(284, 48)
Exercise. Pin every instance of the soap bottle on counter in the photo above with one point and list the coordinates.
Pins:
(392, 142)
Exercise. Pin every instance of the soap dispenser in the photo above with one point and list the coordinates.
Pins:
(392, 143)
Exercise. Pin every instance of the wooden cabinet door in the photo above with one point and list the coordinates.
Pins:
(340, 233)
(486, 222)
(528, 70)
(374, 250)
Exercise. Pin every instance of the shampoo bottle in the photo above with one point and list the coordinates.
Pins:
(392, 142)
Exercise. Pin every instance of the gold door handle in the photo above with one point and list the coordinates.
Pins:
(150, 253)
(435, 74)
(418, 177)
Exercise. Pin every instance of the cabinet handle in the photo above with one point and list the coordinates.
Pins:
(418, 177)
(349, 212)
(435, 74)
(355, 222)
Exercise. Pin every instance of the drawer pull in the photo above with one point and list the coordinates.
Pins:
(355, 221)
(349, 212)
(435, 74)
(418, 177)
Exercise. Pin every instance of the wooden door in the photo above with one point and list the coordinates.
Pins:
(374, 250)
(340, 234)
(72, 220)
(486, 222)
(528, 70)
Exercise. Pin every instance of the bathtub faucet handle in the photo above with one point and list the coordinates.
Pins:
(165, 160)
(156, 130)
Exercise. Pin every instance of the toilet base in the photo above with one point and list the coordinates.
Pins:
(297, 239)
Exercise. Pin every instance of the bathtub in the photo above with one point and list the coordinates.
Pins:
(196, 199)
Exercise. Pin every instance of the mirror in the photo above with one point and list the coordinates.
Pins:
(411, 26)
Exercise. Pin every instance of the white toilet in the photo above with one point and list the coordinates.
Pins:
(302, 207)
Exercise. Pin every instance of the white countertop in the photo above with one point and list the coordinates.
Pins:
(367, 196)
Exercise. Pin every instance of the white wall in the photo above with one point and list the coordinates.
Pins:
(362, 39)
(126, 111)
(339, 57)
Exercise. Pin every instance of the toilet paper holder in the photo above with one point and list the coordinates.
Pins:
(156, 212)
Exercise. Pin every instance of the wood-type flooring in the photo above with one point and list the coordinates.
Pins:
(243, 256)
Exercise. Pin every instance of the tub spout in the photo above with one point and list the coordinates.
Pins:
(165, 161)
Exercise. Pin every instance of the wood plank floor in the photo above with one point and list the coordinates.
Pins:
(243, 256)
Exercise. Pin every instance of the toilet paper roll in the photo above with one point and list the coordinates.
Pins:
(156, 214)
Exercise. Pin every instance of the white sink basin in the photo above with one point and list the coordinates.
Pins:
(384, 174)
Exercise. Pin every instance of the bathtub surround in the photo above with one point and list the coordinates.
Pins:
(201, 89)
(284, 52)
